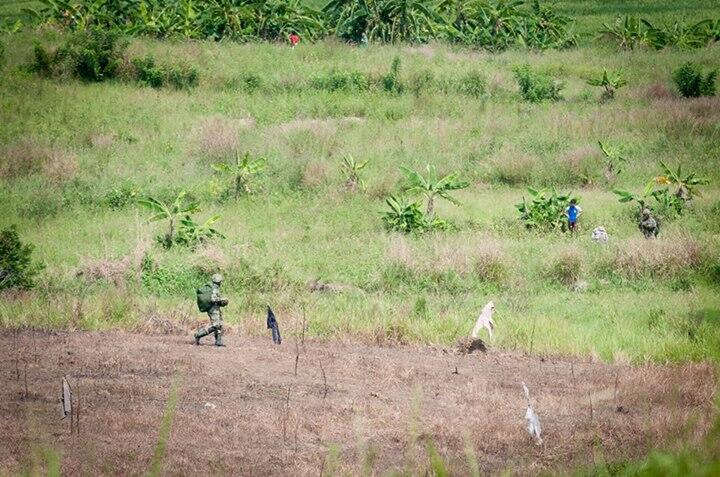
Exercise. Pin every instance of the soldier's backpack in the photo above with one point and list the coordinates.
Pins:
(204, 298)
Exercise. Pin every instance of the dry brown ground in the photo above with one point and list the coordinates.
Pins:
(242, 410)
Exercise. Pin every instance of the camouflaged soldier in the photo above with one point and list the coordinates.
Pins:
(648, 225)
(215, 314)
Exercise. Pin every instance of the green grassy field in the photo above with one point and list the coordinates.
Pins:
(644, 301)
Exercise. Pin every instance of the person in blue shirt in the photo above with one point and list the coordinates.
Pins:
(573, 212)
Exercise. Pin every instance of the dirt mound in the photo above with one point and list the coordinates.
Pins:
(250, 409)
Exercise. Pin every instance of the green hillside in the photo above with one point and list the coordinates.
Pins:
(74, 156)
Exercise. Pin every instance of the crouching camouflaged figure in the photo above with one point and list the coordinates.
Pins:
(214, 312)
(648, 225)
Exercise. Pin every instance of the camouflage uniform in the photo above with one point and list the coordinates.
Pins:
(215, 314)
(648, 225)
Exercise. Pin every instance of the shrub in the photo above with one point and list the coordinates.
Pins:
(96, 54)
(17, 270)
(183, 76)
(119, 197)
(472, 84)
(93, 55)
(536, 87)
(252, 82)
(421, 82)
(567, 266)
(691, 83)
(147, 73)
(42, 61)
(341, 81)
(391, 81)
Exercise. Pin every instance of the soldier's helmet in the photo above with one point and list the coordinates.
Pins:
(646, 212)
(217, 278)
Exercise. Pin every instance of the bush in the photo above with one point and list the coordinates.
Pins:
(567, 266)
(472, 84)
(252, 82)
(42, 61)
(341, 81)
(691, 83)
(119, 197)
(147, 73)
(17, 269)
(536, 87)
(94, 55)
(391, 81)
(183, 76)
(421, 82)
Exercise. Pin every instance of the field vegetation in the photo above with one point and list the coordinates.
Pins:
(260, 146)
(381, 193)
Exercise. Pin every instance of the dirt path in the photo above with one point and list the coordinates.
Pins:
(243, 411)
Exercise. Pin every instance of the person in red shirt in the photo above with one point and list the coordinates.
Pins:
(294, 39)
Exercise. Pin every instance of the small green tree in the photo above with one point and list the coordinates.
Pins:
(170, 212)
(17, 270)
(611, 82)
(351, 170)
(242, 171)
(432, 187)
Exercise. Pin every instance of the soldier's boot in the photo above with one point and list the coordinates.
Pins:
(202, 332)
(218, 339)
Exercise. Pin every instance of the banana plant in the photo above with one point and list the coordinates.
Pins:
(671, 203)
(242, 171)
(685, 185)
(351, 170)
(170, 212)
(680, 35)
(545, 209)
(629, 32)
(614, 161)
(610, 81)
(404, 216)
(431, 187)
(191, 233)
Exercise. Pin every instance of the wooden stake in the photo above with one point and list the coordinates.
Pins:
(325, 386)
(25, 378)
(617, 375)
(77, 417)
